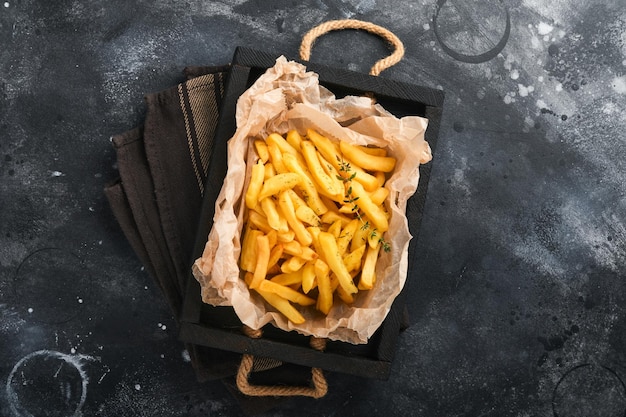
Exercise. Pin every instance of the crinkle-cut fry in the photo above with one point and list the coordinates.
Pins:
(352, 261)
(345, 237)
(289, 213)
(375, 213)
(261, 150)
(288, 278)
(365, 160)
(307, 186)
(279, 183)
(248, 256)
(379, 196)
(373, 150)
(293, 264)
(262, 260)
(326, 184)
(308, 277)
(333, 258)
(256, 184)
(283, 306)
(294, 138)
(271, 214)
(368, 271)
(287, 293)
(325, 297)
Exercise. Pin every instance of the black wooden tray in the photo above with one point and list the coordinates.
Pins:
(219, 327)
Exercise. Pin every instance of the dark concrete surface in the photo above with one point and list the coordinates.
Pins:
(517, 305)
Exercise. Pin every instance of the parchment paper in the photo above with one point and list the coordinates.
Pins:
(288, 97)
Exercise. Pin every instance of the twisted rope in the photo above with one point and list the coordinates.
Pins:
(380, 65)
(320, 385)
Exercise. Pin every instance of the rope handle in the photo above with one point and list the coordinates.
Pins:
(380, 65)
(318, 390)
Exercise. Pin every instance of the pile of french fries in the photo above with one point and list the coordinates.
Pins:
(315, 221)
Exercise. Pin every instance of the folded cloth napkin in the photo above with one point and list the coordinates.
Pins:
(158, 196)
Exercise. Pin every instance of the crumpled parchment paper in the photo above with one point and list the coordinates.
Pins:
(288, 97)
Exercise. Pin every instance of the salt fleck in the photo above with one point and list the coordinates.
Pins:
(426, 26)
(540, 79)
(619, 84)
(72, 351)
(6, 4)
(544, 28)
(514, 74)
(30, 310)
(559, 87)
(137, 387)
(80, 301)
(186, 356)
(542, 104)
(57, 174)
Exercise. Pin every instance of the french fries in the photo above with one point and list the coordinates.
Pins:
(315, 221)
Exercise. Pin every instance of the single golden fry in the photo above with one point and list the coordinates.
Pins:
(248, 256)
(308, 216)
(278, 184)
(333, 258)
(368, 272)
(325, 297)
(335, 228)
(365, 160)
(379, 196)
(294, 139)
(352, 261)
(288, 212)
(275, 254)
(255, 185)
(375, 213)
(293, 264)
(307, 185)
(345, 237)
(327, 185)
(288, 279)
(282, 305)
(262, 260)
(259, 221)
(270, 171)
(286, 293)
(271, 214)
(276, 157)
(261, 150)
(308, 277)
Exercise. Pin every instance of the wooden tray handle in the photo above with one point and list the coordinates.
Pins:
(382, 64)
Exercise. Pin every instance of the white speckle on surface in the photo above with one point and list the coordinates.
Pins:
(162, 356)
(514, 74)
(145, 287)
(624, 62)
(186, 356)
(525, 90)
(528, 121)
(6, 4)
(540, 79)
(57, 174)
(72, 351)
(92, 209)
(535, 42)
(559, 87)
(544, 28)
(507, 99)
(80, 301)
(30, 310)
(542, 104)
(426, 26)
(619, 84)
(546, 38)
(137, 387)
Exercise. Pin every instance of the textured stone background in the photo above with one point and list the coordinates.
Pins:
(517, 304)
